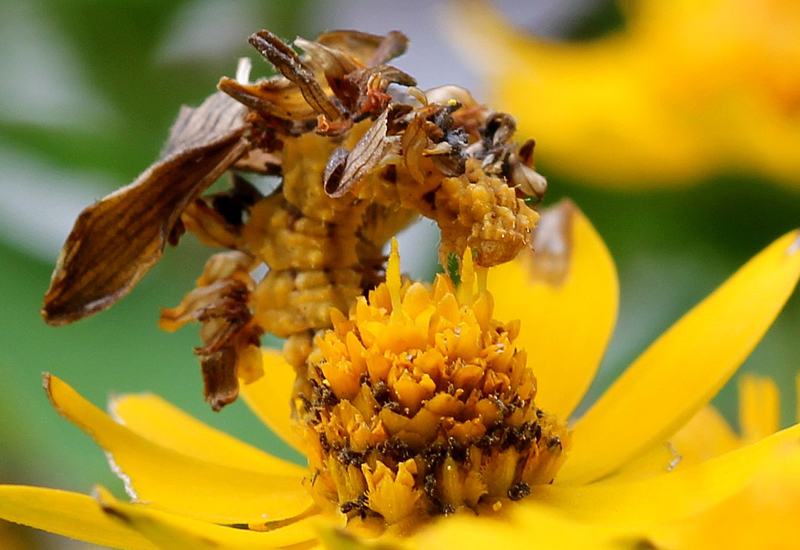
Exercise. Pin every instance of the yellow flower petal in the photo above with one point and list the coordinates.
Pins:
(566, 295)
(173, 532)
(707, 435)
(759, 407)
(533, 526)
(270, 398)
(668, 497)
(176, 481)
(685, 367)
(763, 515)
(153, 418)
(67, 514)
(658, 460)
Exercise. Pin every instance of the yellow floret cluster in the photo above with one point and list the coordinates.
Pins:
(419, 403)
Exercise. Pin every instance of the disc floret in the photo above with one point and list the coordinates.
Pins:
(420, 403)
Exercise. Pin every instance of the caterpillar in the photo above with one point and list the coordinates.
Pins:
(360, 151)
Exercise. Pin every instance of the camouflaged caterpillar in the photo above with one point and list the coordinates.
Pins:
(361, 152)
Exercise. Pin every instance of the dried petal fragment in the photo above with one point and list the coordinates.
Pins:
(368, 49)
(334, 169)
(280, 98)
(117, 240)
(221, 303)
(286, 60)
(198, 128)
(365, 156)
(393, 45)
(333, 62)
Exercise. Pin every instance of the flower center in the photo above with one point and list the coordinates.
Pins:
(419, 403)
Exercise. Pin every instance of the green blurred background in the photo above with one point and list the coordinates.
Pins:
(87, 94)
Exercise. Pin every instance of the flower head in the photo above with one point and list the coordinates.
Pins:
(420, 402)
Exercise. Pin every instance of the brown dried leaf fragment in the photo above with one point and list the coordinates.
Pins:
(288, 63)
(365, 156)
(274, 97)
(334, 169)
(368, 49)
(210, 227)
(333, 62)
(117, 240)
(372, 83)
(221, 304)
(220, 385)
(197, 128)
(393, 45)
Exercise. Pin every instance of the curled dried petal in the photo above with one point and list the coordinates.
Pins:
(444, 94)
(228, 265)
(499, 128)
(525, 152)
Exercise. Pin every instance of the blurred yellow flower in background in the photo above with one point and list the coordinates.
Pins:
(193, 487)
(688, 90)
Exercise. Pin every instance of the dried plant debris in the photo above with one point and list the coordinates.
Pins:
(361, 152)
(115, 241)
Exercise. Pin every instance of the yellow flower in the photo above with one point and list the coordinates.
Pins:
(193, 487)
(687, 90)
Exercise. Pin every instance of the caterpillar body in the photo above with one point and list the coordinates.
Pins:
(360, 152)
